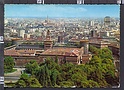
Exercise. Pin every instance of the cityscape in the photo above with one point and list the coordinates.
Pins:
(68, 48)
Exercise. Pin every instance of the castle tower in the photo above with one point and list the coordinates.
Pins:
(93, 33)
(48, 37)
(48, 43)
(85, 43)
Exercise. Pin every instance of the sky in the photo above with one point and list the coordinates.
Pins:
(35, 10)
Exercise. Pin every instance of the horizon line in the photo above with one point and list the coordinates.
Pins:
(53, 17)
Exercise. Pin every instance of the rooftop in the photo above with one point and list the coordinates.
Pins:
(62, 51)
(29, 47)
(12, 52)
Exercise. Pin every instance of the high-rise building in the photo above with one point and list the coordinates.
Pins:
(107, 20)
(21, 33)
(91, 23)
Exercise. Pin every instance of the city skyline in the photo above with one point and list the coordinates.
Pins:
(62, 11)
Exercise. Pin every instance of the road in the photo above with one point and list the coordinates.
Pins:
(13, 77)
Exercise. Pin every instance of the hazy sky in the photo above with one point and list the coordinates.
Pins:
(35, 10)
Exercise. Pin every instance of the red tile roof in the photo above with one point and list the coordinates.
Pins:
(13, 52)
(62, 51)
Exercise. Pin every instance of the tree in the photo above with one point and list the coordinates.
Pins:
(109, 73)
(34, 83)
(56, 59)
(8, 64)
(96, 72)
(27, 81)
(94, 50)
(47, 77)
(85, 84)
(47, 73)
(41, 75)
(104, 69)
(89, 84)
(66, 71)
(77, 78)
(32, 67)
(67, 66)
(95, 61)
(105, 53)
(66, 84)
(54, 76)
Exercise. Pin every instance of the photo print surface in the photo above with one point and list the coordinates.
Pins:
(64, 46)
